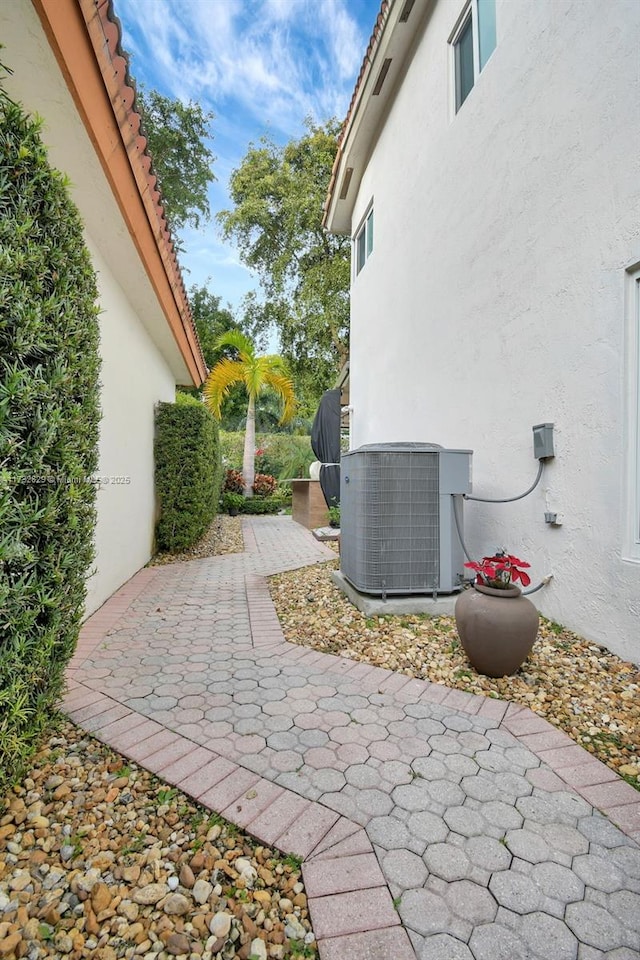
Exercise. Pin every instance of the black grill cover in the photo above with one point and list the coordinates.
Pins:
(325, 442)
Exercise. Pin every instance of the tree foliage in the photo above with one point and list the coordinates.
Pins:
(177, 136)
(276, 223)
(256, 374)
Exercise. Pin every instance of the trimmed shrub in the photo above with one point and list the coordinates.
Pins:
(187, 471)
(264, 485)
(257, 505)
(49, 415)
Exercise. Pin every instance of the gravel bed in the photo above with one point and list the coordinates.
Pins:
(223, 536)
(578, 686)
(100, 859)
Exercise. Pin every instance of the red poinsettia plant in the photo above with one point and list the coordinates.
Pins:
(501, 571)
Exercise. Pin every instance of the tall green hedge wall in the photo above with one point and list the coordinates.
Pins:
(49, 414)
(188, 471)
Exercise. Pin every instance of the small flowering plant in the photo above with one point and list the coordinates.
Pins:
(501, 571)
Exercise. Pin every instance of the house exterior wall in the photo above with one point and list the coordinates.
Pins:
(134, 377)
(494, 298)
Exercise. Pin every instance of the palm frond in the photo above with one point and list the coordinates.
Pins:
(283, 386)
(224, 375)
(240, 342)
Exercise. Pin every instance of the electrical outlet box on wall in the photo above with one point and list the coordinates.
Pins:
(543, 441)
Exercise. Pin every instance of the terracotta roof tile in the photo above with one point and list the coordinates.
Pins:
(132, 129)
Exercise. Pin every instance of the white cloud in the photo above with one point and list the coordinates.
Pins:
(277, 60)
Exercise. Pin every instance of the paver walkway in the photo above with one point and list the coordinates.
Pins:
(480, 820)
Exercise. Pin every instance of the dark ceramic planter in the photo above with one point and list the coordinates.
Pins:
(497, 628)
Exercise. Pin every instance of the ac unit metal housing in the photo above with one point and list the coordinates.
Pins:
(397, 526)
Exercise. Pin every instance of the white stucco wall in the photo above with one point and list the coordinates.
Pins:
(134, 377)
(494, 297)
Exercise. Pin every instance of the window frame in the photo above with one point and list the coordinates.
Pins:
(468, 16)
(631, 499)
(363, 241)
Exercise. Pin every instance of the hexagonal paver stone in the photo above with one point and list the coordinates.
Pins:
(413, 796)
(446, 861)
(404, 868)
(445, 792)
(492, 941)
(428, 827)
(374, 802)
(395, 772)
(480, 788)
(502, 815)
(425, 912)
(599, 873)
(549, 937)
(462, 765)
(443, 743)
(429, 767)
(600, 830)
(628, 859)
(595, 926)
(487, 853)
(327, 780)
(444, 947)
(558, 882)
(493, 760)
(285, 740)
(362, 776)
(528, 846)
(516, 892)
(466, 821)
(626, 906)
(388, 832)
(471, 902)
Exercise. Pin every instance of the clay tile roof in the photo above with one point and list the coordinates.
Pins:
(131, 125)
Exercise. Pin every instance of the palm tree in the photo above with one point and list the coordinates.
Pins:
(257, 374)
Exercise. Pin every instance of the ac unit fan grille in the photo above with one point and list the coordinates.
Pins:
(392, 540)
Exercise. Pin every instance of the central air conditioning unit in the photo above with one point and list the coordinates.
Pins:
(397, 526)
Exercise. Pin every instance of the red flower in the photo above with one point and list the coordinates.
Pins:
(500, 570)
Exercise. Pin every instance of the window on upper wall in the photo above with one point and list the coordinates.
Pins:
(473, 41)
(363, 242)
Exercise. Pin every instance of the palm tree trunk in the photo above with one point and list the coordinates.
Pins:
(249, 459)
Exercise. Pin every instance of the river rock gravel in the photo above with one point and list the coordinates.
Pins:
(578, 686)
(223, 536)
(99, 859)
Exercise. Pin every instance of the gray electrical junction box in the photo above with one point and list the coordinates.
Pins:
(543, 441)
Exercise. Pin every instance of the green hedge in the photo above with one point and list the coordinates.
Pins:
(285, 455)
(49, 415)
(187, 470)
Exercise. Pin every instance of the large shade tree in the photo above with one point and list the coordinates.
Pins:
(276, 222)
(177, 137)
(257, 374)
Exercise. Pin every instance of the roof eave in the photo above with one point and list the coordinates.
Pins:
(86, 44)
(384, 62)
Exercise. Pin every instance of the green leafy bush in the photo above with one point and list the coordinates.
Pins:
(264, 485)
(233, 482)
(282, 455)
(257, 505)
(232, 502)
(187, 471)
(49, 415)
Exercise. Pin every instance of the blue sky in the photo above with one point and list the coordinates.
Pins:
(261, 66)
